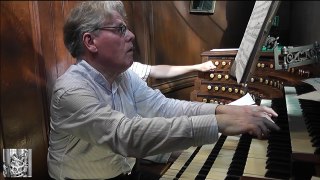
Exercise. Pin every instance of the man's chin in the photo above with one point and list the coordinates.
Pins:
(128, 65)
(131, 62)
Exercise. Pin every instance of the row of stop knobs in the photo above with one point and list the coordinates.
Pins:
(223, 88)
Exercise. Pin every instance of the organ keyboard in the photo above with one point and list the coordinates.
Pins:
(298, 131)
(292, 152)
(241, 157)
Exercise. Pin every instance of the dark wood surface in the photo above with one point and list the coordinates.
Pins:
(33, 54)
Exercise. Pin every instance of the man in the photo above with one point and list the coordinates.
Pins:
(104, 116)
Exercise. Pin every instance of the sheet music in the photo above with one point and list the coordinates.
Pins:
(244, 100)
(315, 82)
(255, 23)
(314, 95)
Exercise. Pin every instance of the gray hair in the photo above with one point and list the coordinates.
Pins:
(87, 17)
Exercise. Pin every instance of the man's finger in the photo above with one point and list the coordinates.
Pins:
(271, 125)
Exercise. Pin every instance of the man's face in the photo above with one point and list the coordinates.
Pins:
(115, 48)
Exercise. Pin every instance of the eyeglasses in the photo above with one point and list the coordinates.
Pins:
(122, 29)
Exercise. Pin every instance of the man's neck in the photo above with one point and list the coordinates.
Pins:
(107, 73)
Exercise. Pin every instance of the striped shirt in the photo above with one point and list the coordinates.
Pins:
(97, 128)
(143, 70)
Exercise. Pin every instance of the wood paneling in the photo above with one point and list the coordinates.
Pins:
(23, 111)
(33, 56)
(166, 33)
(52, 15)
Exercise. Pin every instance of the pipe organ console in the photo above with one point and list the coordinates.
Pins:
(292, 153)
(219, 86)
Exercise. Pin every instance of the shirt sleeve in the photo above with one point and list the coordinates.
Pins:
(143, 70)
(79, 113)
(151, 102)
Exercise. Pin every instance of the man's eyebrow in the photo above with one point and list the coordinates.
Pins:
(123, 23)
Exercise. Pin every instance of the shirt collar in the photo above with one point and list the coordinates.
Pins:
(98, 77)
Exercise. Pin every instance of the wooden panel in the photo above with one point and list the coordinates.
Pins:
(166, 33)
(56, 58)
(22, 85)
(139, 18)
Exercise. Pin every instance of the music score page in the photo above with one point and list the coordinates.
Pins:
(257, 18)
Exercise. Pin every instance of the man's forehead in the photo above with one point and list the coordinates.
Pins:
(115, 18)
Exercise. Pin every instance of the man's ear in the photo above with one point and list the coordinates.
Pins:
(88, 41)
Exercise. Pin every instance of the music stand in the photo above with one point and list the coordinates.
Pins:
(254, 37)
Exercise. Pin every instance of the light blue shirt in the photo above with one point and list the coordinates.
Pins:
(97, 128)
(143, 70)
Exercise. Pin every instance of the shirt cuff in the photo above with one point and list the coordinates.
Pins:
(208, 108)
(205, 129)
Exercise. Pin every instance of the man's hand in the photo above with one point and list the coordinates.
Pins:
(255, 120)
(206, 66)
(259, 111)
(235, 124)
